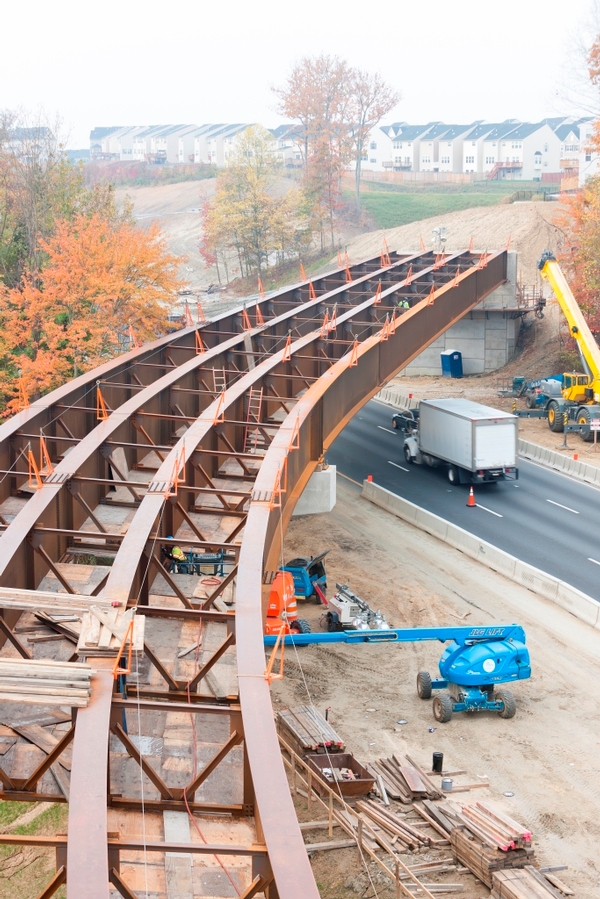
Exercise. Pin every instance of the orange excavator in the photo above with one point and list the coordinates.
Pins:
(282, 610)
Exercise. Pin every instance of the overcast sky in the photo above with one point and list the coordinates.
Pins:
(189, 61)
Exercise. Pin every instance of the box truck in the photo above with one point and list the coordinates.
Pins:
(474, 443)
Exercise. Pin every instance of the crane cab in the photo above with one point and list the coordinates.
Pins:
(577, 387)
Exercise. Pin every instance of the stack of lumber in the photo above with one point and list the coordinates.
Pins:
(45, 682)
(525, 884)
(103, 632)
(404, 781)
(307, 731)
(481, 859)
(394, 827)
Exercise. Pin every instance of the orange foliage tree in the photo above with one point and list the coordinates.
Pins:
(580, 222)
(101, 276)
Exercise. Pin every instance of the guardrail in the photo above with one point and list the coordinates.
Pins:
(568, 598)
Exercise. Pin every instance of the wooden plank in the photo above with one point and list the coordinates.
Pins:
(45, 741)
(42, 600)
(325, 847)
(178, 866)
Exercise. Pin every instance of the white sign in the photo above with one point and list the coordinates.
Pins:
(595, 424)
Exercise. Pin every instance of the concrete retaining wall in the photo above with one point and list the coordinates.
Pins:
(568, 598)
(319, 494)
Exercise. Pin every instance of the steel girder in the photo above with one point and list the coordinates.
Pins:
(312, 387)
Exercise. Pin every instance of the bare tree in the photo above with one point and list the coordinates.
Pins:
(372, 98)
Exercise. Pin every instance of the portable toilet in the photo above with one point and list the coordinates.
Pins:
(451, 364)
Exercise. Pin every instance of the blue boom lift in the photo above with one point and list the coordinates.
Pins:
(476, 661)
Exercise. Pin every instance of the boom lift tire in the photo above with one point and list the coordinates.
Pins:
(407, 455)
(510, 706)
(424, 685)
(442, 708)
(301, 625)
(555, 418)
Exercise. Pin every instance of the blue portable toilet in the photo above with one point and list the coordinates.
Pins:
(451, 364)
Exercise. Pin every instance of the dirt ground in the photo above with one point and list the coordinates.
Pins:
(546, 755)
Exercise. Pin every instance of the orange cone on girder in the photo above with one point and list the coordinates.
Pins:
(471, 501)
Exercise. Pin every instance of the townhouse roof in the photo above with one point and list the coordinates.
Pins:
(563, 131)
(411, 132)
(525, 129)
(99, 133)
(457, 130)
(485, 129)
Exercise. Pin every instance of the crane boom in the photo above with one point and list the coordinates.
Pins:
(578, 327)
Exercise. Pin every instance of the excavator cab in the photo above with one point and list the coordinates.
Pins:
(576, 387)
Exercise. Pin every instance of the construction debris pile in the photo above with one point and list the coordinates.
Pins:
(405, 811)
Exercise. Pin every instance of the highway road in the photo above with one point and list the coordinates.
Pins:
(544, 518)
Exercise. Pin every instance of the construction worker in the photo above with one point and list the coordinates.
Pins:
(174, 554)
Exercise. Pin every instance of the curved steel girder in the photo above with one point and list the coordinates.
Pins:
(324, 409)
(15, 534)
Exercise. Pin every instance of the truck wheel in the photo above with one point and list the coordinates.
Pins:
(555, 418)
(510, 706)
(424, 685)
(407, 455)
(300, 625)
(453, 474)
(395, 423)
(583, 418)
(442, 708)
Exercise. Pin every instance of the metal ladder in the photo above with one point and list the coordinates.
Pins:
(251, 435)
(220, 380)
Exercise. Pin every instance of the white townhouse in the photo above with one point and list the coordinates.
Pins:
(522, 153)
(288, 144)
(406, 145)
(201, 136)
(142, 142)
(164, 143)
(589, 159)
(450, 148)
(377, 150)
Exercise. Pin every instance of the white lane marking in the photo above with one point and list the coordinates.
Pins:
(385, 429)
(395, 464)
(594, 561)
(560, 505)
(491, 511)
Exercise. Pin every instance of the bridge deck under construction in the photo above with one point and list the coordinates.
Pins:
(204, 440)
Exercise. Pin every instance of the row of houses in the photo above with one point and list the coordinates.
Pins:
(542, 151)
(177, 144)
(510, 149)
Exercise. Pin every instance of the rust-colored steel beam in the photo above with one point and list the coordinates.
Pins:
(186, 397)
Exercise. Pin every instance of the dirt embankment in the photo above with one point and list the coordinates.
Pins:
(546, 756)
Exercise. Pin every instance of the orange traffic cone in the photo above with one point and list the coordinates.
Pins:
(471, 501)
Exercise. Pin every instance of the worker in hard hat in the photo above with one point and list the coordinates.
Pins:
(174, 554)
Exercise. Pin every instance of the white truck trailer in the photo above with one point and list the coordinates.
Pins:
(476, 444)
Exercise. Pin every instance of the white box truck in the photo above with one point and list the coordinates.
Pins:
(476, 444)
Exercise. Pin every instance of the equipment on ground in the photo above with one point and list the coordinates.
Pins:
(191, 562)
(282, 610)
(579, 399)
(348, 611)
(308, 573)
(472, 666)
(474, 443)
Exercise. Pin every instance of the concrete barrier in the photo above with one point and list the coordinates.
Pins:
(580, 470)
(568, 598)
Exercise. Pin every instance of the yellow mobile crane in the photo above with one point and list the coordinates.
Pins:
(580, 392)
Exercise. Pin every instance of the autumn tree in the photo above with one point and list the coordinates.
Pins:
(248, 218)
(337, 105)
(38, 187)
(100, 277)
